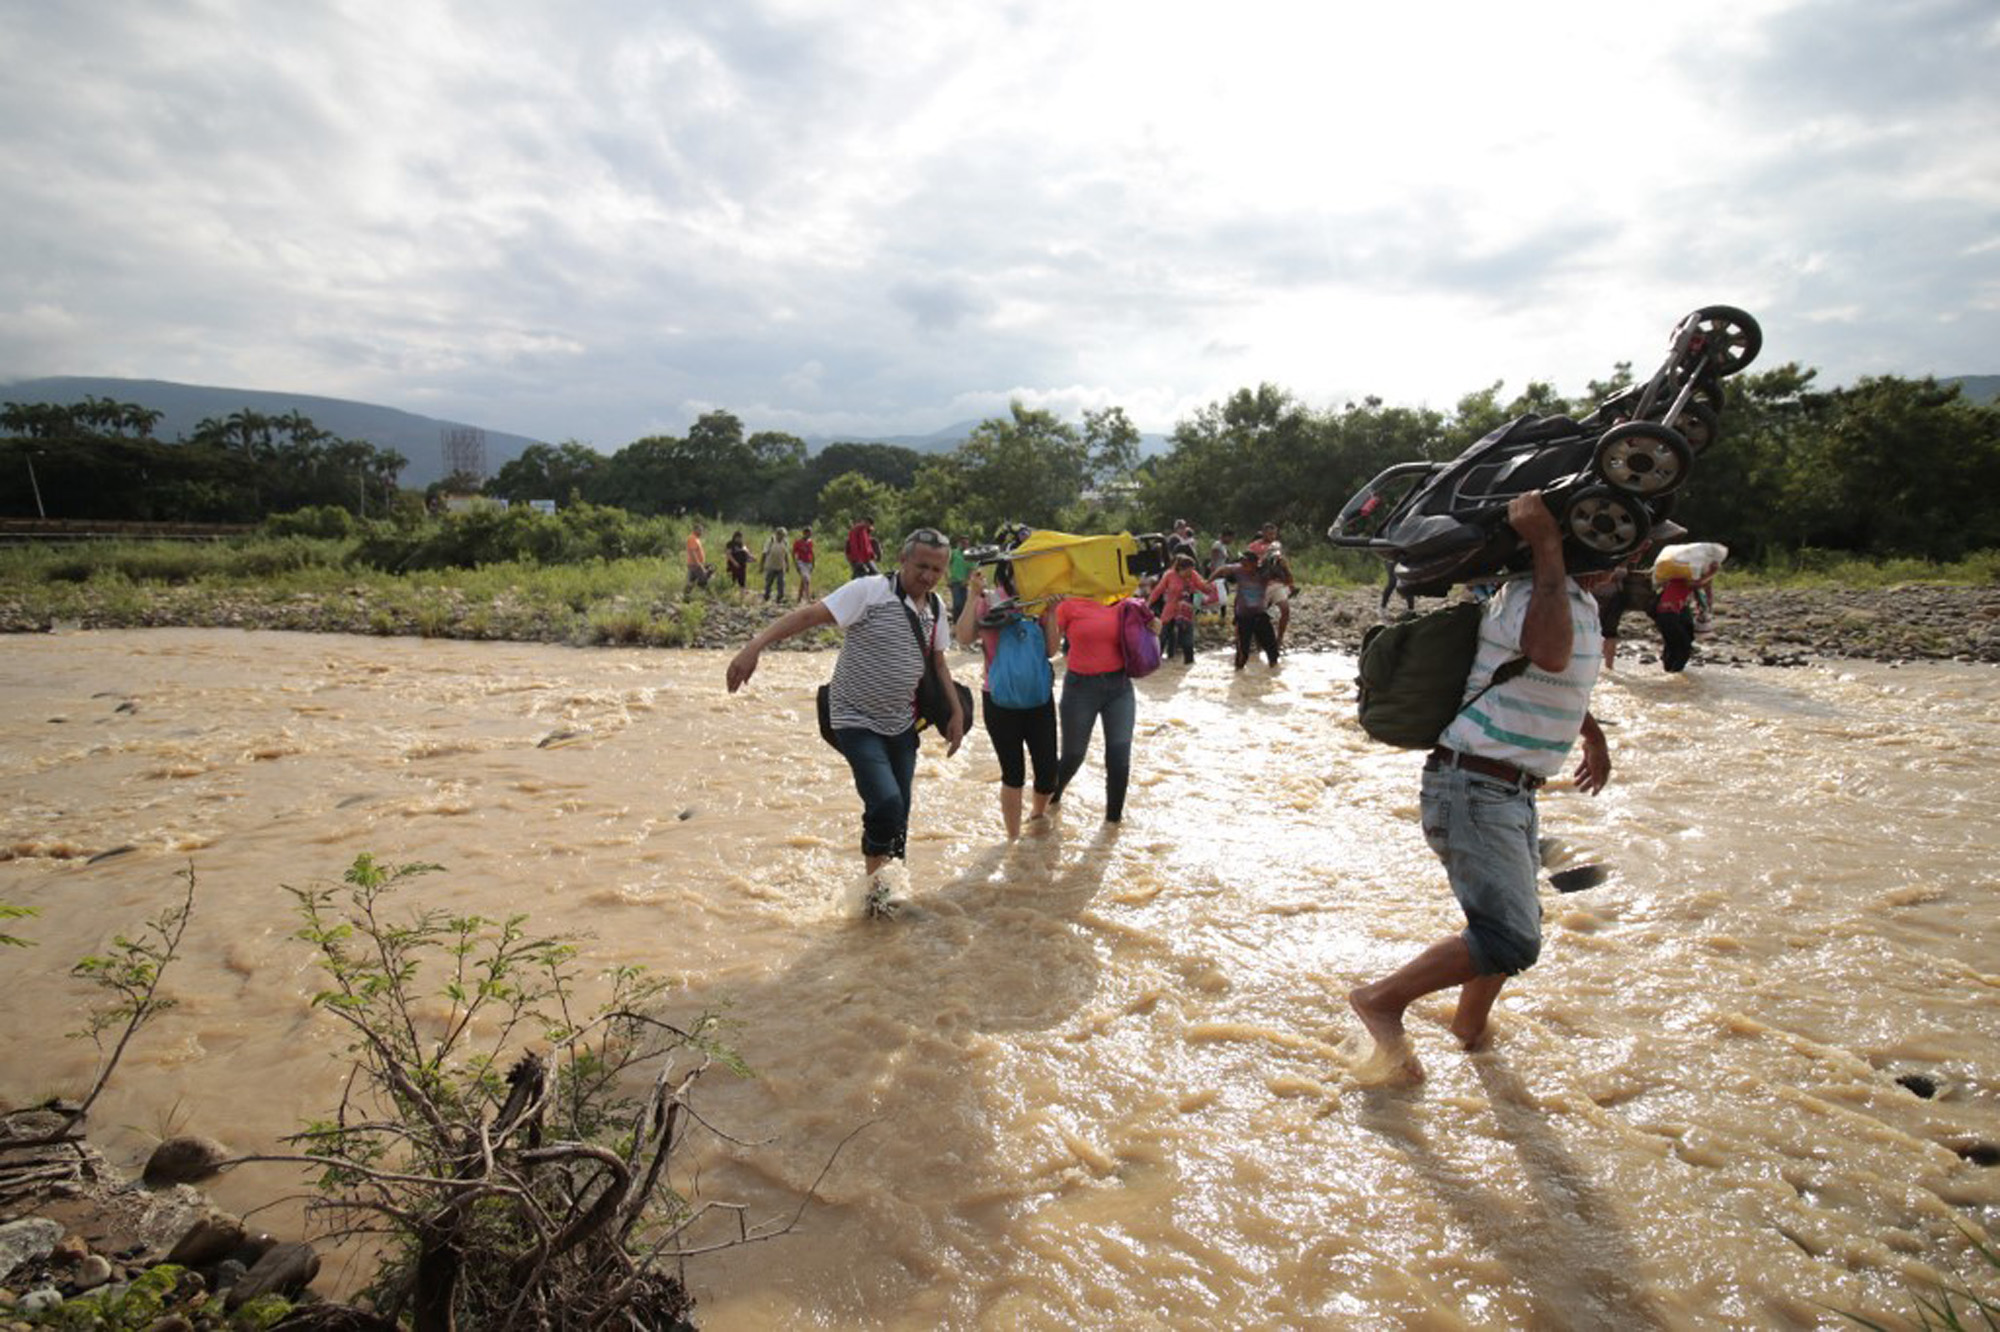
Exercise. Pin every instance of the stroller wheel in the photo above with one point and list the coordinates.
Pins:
(1699, 424)
(1643, 458)
(1606, 522)
(1726, 337)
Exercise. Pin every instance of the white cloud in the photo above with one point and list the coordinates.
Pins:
(831, 219)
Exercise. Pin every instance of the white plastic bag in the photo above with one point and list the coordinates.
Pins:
(1693, 560)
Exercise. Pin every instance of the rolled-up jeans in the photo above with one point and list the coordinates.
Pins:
(1085, 698)
(885, 769)
(1487, 833)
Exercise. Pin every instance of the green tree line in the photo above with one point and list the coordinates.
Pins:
(1886, 467)
(99, 459)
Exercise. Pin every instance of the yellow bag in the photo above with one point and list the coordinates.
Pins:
(1049, 564)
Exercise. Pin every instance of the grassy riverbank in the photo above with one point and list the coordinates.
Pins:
(1810, 605)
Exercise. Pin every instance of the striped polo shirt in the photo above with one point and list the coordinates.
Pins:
(875, 677)
(1531, 720)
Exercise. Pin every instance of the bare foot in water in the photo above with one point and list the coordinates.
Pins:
(1394, 1060)
(1475, 1002)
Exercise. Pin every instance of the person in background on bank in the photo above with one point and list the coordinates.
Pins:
(1173, 600)
(1479, 788)
(1095, 686)
(1253, 618)
(1014, 731)
(777, 557)
(862, 549)
(873, 694)
(1222, 571)
(697, 560)
(956, 574)
(802, 557)
(1279, 586)
(737, 555)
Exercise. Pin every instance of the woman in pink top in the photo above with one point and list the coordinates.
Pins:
(1174, 599)
(1095, 685)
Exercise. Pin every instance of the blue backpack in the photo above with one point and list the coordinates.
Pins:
(1019, 675)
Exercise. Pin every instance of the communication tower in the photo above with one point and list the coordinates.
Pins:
(464, 451)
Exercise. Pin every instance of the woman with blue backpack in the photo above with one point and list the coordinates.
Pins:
(1020, 692)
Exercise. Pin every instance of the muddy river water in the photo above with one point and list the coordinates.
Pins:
(1101, 1078)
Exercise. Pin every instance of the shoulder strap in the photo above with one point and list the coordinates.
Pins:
(1502, 673)
(916, 625)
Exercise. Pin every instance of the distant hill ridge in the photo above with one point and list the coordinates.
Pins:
(184, 406)
(420, 438)
(1979, 388)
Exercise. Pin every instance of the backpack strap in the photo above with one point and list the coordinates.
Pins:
(1502, 673)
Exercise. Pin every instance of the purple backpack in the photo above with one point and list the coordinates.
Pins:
(1135, 635)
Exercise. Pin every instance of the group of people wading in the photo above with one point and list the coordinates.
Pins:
(1479, 783)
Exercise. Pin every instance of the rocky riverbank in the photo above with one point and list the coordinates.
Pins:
(1753, 626)
(83, 1246)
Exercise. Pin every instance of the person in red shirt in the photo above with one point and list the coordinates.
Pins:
(1095, 685)
(862, 549)
(802, 556)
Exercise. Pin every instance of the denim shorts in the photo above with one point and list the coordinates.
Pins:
(1487, 833)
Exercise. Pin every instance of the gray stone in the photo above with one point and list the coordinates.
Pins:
(184, 1160)
(40, 1301)
(209, 1240)
(286, 1270)
(92, 1272)
(26, 1241)
(254, 1246)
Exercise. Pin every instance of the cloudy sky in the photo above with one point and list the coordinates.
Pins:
(597, 220)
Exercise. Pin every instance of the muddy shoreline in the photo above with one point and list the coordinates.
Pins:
(1754, 626)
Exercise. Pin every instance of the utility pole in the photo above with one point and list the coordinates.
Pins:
(36, 486)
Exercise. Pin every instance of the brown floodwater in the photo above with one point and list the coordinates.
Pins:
(1100, 1078)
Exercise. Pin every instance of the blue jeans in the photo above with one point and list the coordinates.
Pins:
(1085, 698)
(885, 768)
(1487, 833)
(1177, 637)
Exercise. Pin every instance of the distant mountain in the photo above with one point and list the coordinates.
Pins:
(949, 438)
(937, 441)
(183, 406)
(1978, 388)
(418, 438)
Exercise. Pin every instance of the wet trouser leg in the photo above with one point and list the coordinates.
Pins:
(1676, 638)
(885, 767)
(1024, 736)
(1085, 698)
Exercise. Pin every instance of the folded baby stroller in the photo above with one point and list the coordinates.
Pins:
(1608, 478)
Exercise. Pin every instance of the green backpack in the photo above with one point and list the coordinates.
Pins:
(1412, 674)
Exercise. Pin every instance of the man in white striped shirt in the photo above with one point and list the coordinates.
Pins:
(1479, 787)
(894, 632)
